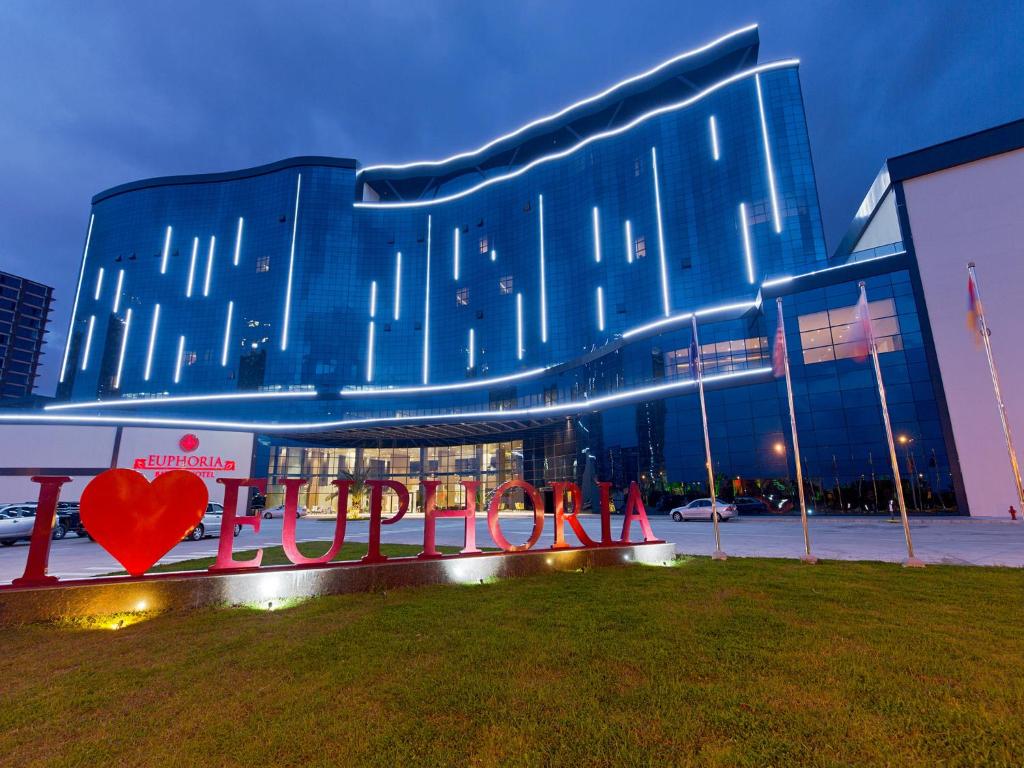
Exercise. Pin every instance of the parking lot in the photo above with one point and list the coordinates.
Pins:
(965, 541)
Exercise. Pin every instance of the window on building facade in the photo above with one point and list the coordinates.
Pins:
(462, 297)
(720, 357)
(263, 264)
(484, 245)
(640, 248)
(506, 285)
(828, 335)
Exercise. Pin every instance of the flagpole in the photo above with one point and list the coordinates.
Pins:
(718, 554)
(1014, 466)
(807, 556)
(911, 561)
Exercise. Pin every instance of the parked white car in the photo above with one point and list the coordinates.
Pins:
(278, 511)
(16, 523)
(210, 524)
(700, 509)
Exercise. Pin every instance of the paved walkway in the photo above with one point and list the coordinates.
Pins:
(959, 541)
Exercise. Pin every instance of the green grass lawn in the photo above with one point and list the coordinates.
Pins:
(749, 662)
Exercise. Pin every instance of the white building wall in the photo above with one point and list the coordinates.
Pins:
(975, 212)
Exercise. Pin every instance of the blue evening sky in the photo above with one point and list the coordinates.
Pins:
(93, 94)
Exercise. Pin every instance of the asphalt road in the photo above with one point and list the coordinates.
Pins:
(967, 541)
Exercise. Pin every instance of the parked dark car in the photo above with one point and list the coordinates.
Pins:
(68, 521)
(748, 505)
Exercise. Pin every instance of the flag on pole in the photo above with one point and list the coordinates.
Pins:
(694, 355)
(860, 331)
(973, 311)
(779, 352)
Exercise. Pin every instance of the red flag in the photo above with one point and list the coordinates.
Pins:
(973, 310)
(860, 332)
(779, 352)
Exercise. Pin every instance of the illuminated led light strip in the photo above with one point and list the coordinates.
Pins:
(192, 268)
(663, 268)
(152, 343)
(768, 156)
(519, 326)
(494, 255)
(291, 267)
(88, 342)
(790, 278)
(600, 308)
(455, 256)
(177, 363)
(117, 290)
(426, 313)
(543, 279)
(566, 110)
(713, 128)
(398, 284)
(472, 349)
(575, 406)
(597, 235)
(78, 290)
(747, 253)
(369, 352)
(167, 251)
(475, 384)
(238, 241)
(587, 141)
(99, 284)
(124, 346)
(132, 402)
(629, 242)
(227, 335)
(674, 319)
(209, 266)
(373, 299)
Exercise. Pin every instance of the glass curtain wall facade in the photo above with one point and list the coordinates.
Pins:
(521, 310)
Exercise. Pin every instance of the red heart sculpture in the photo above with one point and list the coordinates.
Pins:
(138, 522)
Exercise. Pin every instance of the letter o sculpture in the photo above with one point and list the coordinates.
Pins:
(538, 516)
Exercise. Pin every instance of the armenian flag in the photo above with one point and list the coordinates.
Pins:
(779, 352)
(973, 310)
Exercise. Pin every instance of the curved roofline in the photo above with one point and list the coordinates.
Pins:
(566, 110)
(752, 72)
(245, 173)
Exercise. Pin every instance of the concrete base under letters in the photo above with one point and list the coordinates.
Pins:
(266, 586)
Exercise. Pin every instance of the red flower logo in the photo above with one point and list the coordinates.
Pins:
(188, 443)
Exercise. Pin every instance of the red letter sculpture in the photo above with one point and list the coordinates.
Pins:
(560, 489)
(606, 513)
(377, 487)
(635, 511)
(494, 526)
(430, 514)
(291, 504)
(39, 545)
(227, 526)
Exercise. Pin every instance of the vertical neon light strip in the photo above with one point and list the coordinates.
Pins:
(74, 307)
(373, 299)
(238, 241)
(167, 251)
(398, 284)
(746, 243)
(99, 284)
(713, 128)
(177, 363)
(124, 346)
(227, 335)
(519, 326)
(117, 290)
(543, 279)
(291, 266)
(661, 235)
(494, 255)
(768, 156)
(426, 312)
(597, 235)
(629, 242)
(600, 308)
(152, 342)
(209, 266)
(369, 353)
(455, 258)
(88, 342)
(472, 349)
(192, 267)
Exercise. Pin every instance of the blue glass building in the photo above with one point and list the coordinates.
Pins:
(524, 308)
